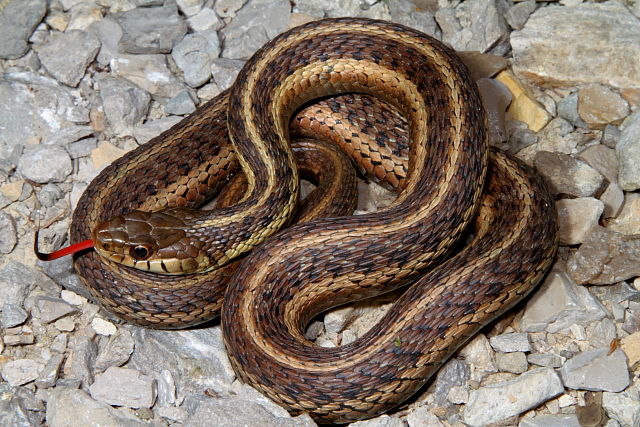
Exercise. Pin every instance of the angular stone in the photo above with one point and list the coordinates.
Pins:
(148, 72)
(151, 29)
(518, 14)
(407, 13)
(143, 133)
(576, 217)
(613, 198)
(190, 7)
(454, 373)
(560, 303)
(423, 417)
(603, 159)
(49, 373)
(13, 315)
(228, 8)
(79, 363)
(8, 233)
(45, 163)
(628, 152)
(69, 134)
(488, 405)
(599, 106)
(105, 154)
(21, 371)
(68, 406)
(117, 351)
(480, 357)
(225, 71)
(193, 55)
(67, 55)
(550, 420)
(567, 175)
(256, 23)
(17, 280)
(628, 219)
(622, 407)
(205, 20)
(591, 38)
(125, 105)
(596, 370)
(180, 104)
(605, 257)
(472, 25)
(124, 387)
(18, 19)
(523, 107)
(515, 362)
(545, 359)
(52, 309)
(109, 32)
(508, 343)
(568, 109)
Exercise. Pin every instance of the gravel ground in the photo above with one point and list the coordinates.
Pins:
(83, 81)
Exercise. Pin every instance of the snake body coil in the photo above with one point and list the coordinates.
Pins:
(313, 266)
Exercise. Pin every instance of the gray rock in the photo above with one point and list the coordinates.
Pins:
(8, 233)
(550, 420)
(335, 9)
(558, 304)
(567, 175)
(515, 362)
(13, 315)
(190, 7)
(109, 32)
(45, 163)
(545, 359)
(125, 105)
(66, 56)
(487, 404)
(380, 421)
(568, 110)
(246, 408)
(225, 71)
(518, 14)
(603, 159)
(124, 387)
(80, 361)
(605, 257)
(18, 408)
(61, 272)
(622, 407)
(180, 104)
(576, 217)
(20, 339)
(256, 23)
(407, 13)
(182, 353)
(82, 148)
(21, 371)
(52, 309)
(17, 280)
(69, 134)
(34, 107)
(117, 351)
(628, 152)
(148, 72)
(596, 370)
(507, 343)
(18, 19)
(228, 8)
(454, 373)
(473, 25)
(610, 136)
(193, 55)
(480, 357)
(205, 20)
(423, 417)
(166, 389)
(143, 133)
(67, 407)
(49, 374)
(49, 194)
(583, 35)
(602, 333)
(151, 29)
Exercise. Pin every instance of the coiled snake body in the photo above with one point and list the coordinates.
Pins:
(313, 266)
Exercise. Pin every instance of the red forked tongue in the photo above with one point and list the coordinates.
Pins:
(61, 252)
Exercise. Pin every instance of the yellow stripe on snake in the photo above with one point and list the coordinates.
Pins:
(452, 183)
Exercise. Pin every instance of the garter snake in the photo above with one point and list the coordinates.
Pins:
(316, 265)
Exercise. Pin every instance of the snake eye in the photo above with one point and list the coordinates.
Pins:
(140, 252)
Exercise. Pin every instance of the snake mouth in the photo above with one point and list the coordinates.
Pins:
(68, 250)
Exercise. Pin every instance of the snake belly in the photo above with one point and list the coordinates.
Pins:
(311, 267)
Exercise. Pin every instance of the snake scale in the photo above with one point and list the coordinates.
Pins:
(452, 182)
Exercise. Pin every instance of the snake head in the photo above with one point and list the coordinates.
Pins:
(151, 241)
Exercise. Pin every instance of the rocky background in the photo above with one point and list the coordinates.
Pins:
(83, 81)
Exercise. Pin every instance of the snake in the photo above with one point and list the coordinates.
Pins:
(471, 232)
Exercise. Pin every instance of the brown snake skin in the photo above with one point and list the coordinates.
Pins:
(313, 266)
